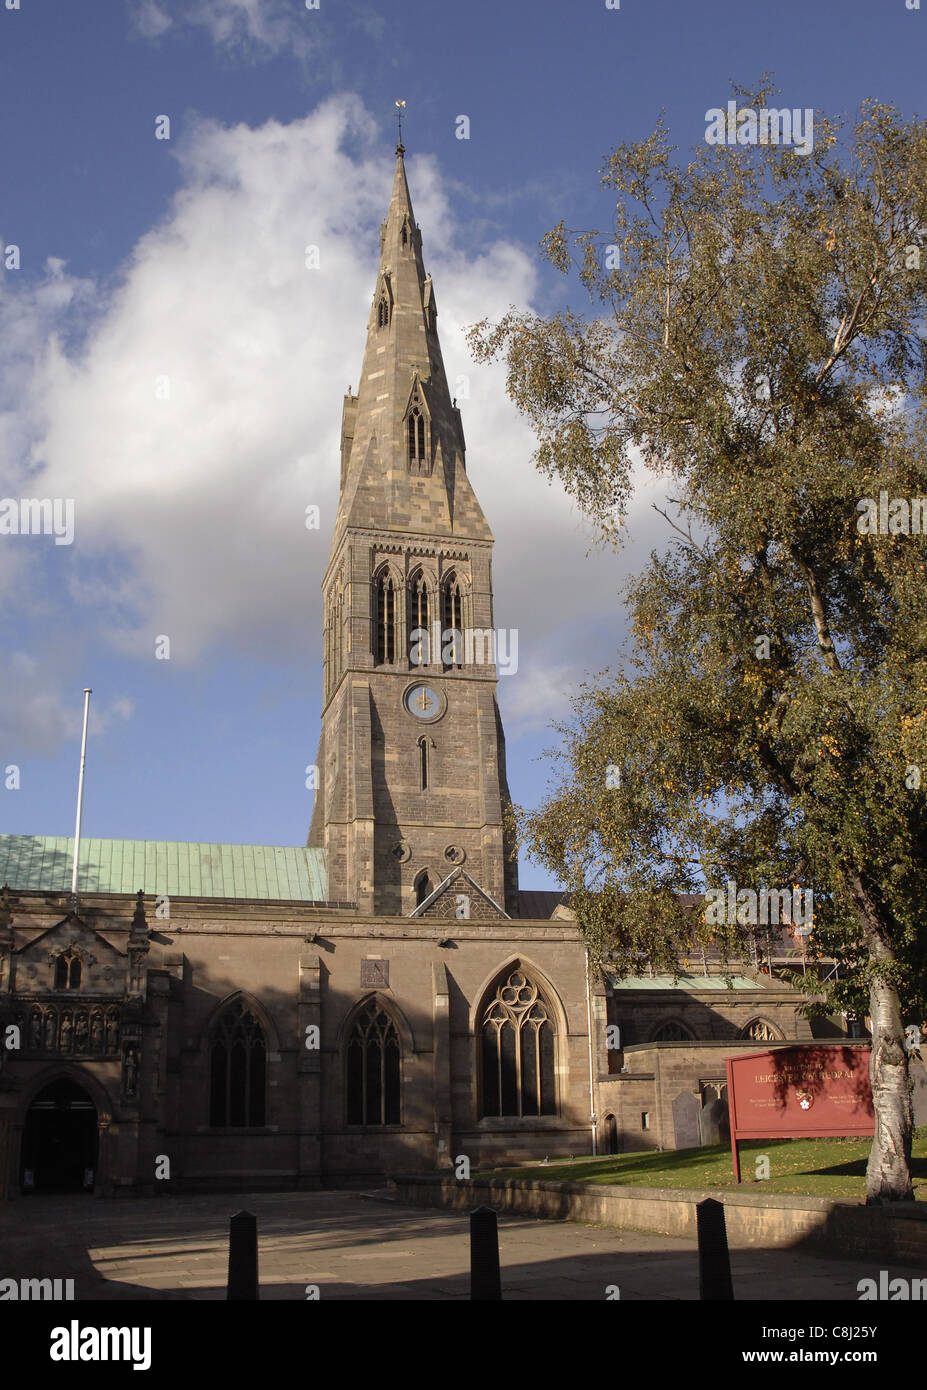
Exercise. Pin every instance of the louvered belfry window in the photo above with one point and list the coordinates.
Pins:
(452, 622)
(238, 1070)
(386, 620)
(418, 619)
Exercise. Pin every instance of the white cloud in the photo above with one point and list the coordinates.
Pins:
(255, 28)
(36, 716)
(190, 509)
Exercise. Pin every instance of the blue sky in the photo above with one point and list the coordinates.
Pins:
(183, 258)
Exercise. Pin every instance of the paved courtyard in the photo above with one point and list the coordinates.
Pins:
(368, 1246)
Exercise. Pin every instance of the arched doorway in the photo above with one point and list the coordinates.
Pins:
(611, 1135)
(59, 1152)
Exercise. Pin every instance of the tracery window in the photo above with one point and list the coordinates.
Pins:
(383, 312)
(760, 1031)
(671, 1031)
(386, 619)
(416, 436)
(237, 1070)
(373, 1055)
(452, 621)
(518, 1045)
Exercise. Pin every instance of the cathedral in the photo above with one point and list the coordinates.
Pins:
(384, 998)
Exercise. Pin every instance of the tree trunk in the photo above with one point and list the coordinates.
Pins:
(888, 1174)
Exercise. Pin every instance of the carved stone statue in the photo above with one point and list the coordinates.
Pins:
(131, 1071)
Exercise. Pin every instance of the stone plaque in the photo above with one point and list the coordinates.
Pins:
(374, 974)
(686, 1110)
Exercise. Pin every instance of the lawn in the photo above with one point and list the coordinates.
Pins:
(811, 1167)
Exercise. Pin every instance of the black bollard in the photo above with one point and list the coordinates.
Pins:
(484, 1255)
(714, 1261)
(243, 1257)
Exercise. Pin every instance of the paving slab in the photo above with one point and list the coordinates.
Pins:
(358, 1246)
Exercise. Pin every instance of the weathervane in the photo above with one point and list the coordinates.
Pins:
(400, 107)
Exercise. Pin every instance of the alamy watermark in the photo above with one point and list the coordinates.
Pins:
(38, 516)
(768, 126)
(472, 646)
(36, 1290)
(895, 517)
(730, 905)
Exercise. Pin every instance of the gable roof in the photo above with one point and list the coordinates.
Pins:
(443, 886)
(84, 927)
(175, 868)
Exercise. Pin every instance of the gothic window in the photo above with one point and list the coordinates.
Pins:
(671, 1032)
(422, 887)
(386, 619)
(518, 1051)
(339, 632)
(419, 652)
(423, 761)
(373, 1068)
(760, 1031)
(416, 436)
(67, 971)
(237, 1070)
(452, 621)
(383, 312)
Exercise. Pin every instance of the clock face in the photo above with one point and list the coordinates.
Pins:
(423, 701)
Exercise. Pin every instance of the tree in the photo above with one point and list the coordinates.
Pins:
(758, 344)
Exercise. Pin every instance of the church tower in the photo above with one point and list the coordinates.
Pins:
(412, 755)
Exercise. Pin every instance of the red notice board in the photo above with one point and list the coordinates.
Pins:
(805, 1092)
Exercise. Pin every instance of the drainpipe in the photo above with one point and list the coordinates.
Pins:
(591, 1071)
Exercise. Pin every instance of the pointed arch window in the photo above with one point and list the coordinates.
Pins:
(671, 1031)
(237, 1070)
(418, 620)
(760, 1031)
(386, 619)
(339, 631)
(416, 428)
(519, 1048)
(383, 312)
(452, 622)
(373, 1057)
(423, 762)
(423, 887)
(67, 971)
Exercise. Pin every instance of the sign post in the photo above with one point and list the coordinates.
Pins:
(811, 1091)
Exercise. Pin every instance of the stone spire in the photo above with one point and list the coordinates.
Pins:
(393, 476)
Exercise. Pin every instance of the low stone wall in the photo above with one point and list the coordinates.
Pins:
(753, 1221)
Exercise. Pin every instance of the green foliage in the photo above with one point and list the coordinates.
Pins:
(761, 348)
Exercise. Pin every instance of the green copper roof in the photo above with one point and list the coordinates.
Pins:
(175, 868)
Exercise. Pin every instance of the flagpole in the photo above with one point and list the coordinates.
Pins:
(80, 796)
